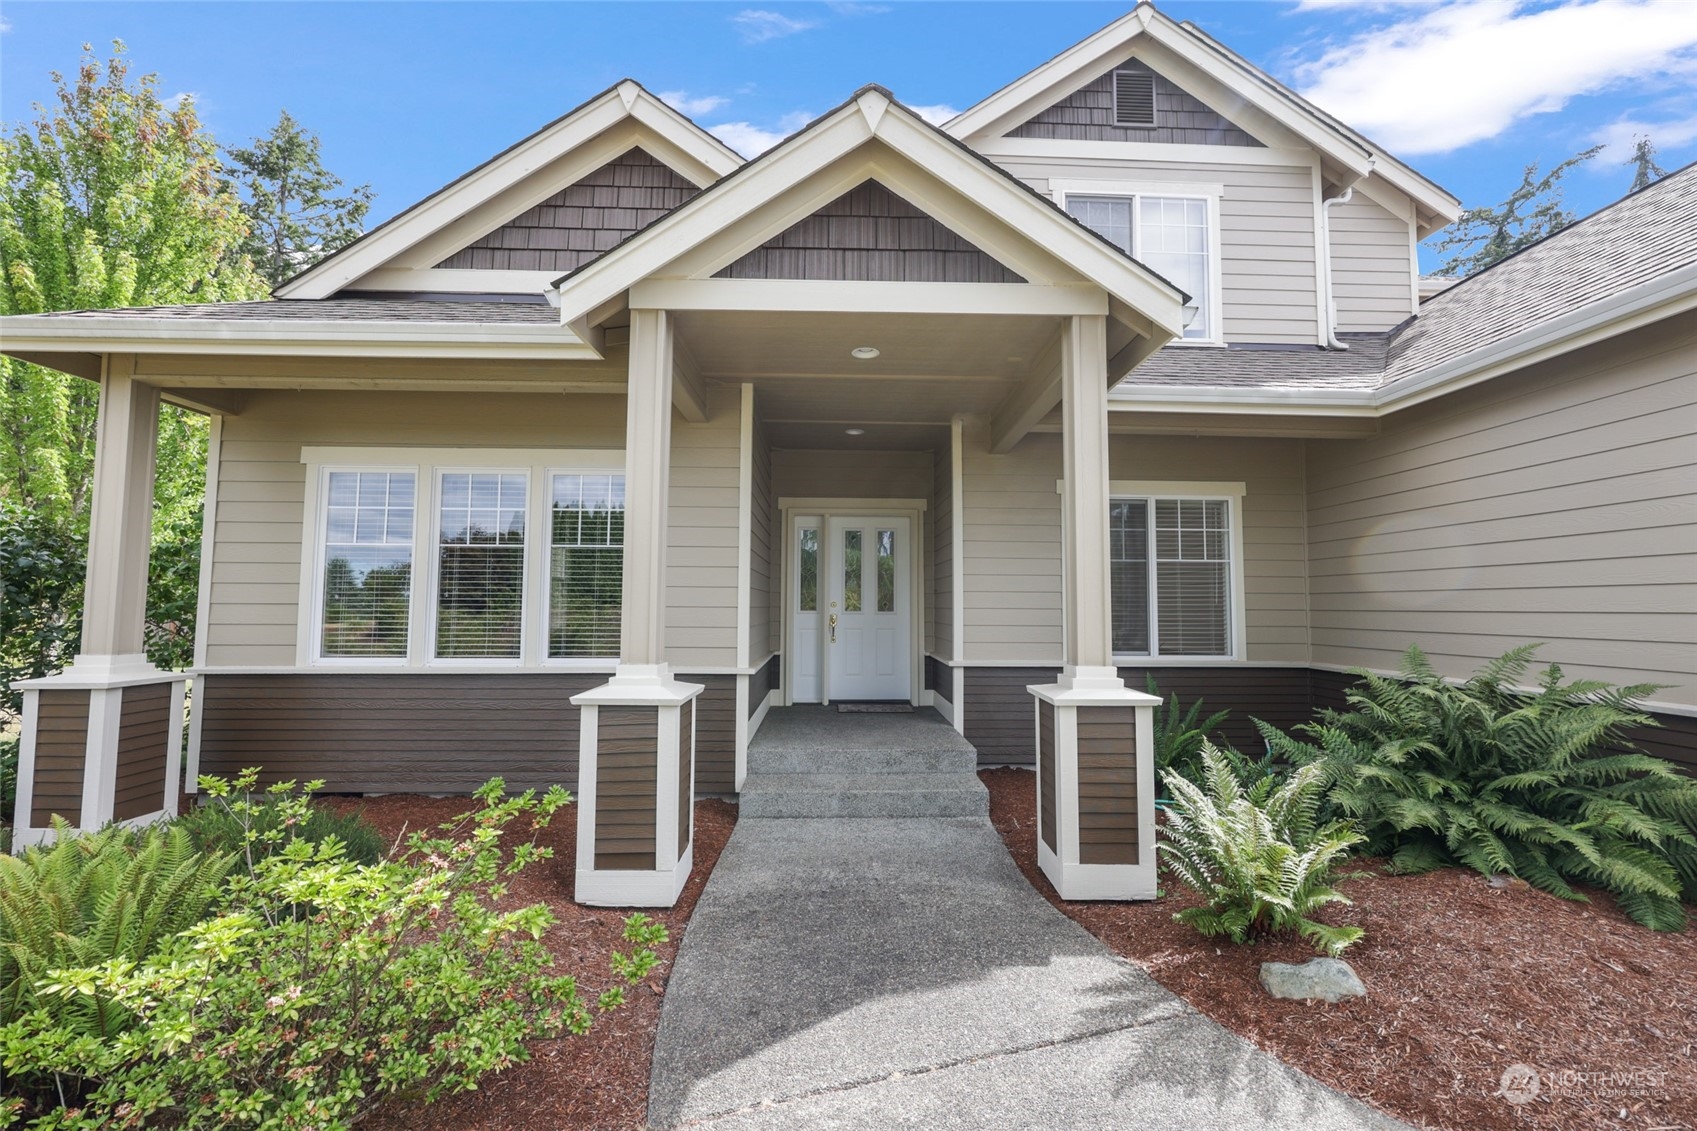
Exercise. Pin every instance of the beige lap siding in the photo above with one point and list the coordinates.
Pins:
(765, 565)
(1555, 505)
(626, 788)
(1012, 538)
(1372, 268)
(254, 603)
(61, 748)
(1267, 236)
(144, 731)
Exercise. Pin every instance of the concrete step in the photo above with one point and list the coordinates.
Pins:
(864, 795)
(788, 759)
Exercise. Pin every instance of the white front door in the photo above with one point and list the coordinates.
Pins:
(852, 608)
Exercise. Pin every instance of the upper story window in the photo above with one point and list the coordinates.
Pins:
(440, 563)
(1173, 235)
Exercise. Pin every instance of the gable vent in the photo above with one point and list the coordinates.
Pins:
(1134, 98)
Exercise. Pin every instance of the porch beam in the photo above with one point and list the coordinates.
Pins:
(689, 391)
(815, 296)
(1028, 402)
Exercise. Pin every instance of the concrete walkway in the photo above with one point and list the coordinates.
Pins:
(875, 972)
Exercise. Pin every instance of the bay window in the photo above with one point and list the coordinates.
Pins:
(462, 558)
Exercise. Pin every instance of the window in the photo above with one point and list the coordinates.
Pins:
(512, 563)
(367, 578)
(1171, 234)
(1171, 576)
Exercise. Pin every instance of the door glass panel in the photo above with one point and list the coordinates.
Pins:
(808, 589)
(851, 571)
(886, 571)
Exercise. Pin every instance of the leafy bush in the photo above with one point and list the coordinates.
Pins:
(1540, 785)
(403, 976)
(218, 825)
(8, 777)
(116, 894)
(1258, 856)
(1180, 734)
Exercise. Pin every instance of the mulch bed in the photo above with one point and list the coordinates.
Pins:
(1463, 980)
(596, 1081)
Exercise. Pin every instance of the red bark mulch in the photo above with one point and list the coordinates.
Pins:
(597, 1081)
(1463, 980)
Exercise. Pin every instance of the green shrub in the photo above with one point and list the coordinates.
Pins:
(8, 775)
(216, 826)
(404, 976)
(1257, 855)
(115, 894)
(1179, 734)
(1540, 785)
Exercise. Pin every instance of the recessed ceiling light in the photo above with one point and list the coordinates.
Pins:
(854, 431)
(864, 353)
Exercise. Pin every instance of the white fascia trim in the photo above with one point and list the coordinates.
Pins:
(1128, 397)
(627, 100)
(871, 116)
(265, 337)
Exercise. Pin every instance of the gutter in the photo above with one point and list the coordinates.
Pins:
(1329, 317)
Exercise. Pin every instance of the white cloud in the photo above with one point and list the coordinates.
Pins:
(180, 97)
(758, 25)
(1464, 72)
(5, 25)
(849, 8)
(1666, 134)
(937, 114)
(751, 140)
(692, 107)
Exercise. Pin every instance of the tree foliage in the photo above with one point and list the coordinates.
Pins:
(109, 198)
(1543, 785)
(1645, 171)
(291, 201)
(1484, 235)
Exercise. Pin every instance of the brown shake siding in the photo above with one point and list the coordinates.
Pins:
(870, 234)
(61, 745)
(715, 733)
(1087, 114)
(1046, 770)
(1107, 785)
(626, 788)
(144, 731)
(401, 733)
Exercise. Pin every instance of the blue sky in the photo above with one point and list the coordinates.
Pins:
(406, 96)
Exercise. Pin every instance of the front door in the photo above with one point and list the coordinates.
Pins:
(852, 617)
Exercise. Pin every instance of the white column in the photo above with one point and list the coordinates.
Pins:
(648, 452)
(1089, 707)
(120, 524)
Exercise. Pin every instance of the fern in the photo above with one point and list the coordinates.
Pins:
(1258, 854)
(113, 894)
(1542, 785)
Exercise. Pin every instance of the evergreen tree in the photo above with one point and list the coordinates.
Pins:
(109, 198)
(295, 217)
(1645, 171)
(1532, 211)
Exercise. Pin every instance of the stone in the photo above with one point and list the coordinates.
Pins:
(1328, 979)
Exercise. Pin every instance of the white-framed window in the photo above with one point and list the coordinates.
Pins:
(1172, 229)
(454, 557)
(1176, 571)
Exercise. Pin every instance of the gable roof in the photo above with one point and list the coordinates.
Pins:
(1348, 152)
(983, 203)
(507, 183)
(1626, 265)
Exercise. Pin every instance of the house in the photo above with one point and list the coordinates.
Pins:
(575, 469)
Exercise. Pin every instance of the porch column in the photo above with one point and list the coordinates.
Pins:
(102, 740)
(636, 747)
(1094, 736)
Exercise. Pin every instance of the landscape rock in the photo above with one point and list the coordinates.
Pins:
(1328, 979)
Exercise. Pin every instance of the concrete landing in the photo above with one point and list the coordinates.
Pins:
(881, 973)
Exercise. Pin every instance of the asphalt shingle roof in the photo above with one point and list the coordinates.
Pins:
(341, 310)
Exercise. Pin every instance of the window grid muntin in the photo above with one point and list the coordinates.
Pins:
(585, 564)
(1207, 540)
(369, 514)
(481, 587)
(1183, 251)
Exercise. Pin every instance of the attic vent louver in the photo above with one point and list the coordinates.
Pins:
(1134, 98)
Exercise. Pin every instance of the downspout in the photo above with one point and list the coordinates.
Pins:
(1330, 316)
